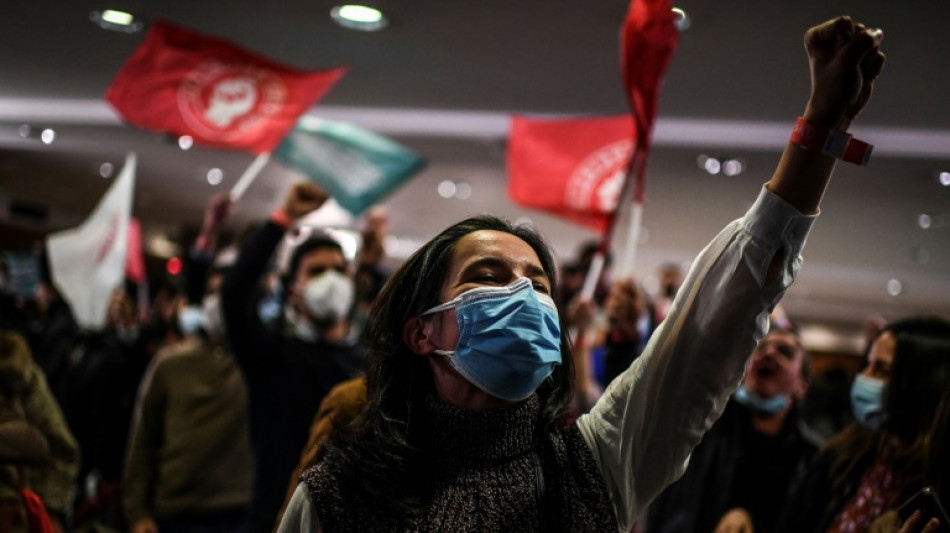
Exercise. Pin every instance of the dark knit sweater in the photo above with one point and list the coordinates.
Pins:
(490, 471)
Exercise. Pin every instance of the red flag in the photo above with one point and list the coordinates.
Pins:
(647, 42)
(573, 168)
(186, 83)
(134, 261)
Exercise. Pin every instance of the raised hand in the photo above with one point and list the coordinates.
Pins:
(303, 198)
(845, 59)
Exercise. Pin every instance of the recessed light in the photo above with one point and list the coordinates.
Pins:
(894, 287)
(732, 167)
(924, 221)
(215, 175)
(48, 136)
(447, 189)
(114, 20)
(681, 19)
(185, 142)
(105, 169)
(945, 179)
(357, 17)
(463, 191)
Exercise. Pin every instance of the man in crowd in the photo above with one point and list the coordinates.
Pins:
(291, 364)
(741, 472)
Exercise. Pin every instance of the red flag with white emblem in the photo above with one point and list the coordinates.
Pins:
(573, 168)
(185, 83)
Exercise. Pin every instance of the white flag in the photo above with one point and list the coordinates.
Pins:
(87, 262)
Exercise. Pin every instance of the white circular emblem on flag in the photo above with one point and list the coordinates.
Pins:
(596, 183)
(226, 101)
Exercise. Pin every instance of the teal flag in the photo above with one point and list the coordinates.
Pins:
(357, 167)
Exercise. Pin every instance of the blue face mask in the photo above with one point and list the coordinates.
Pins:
(867, 401)
(509, 338)
(190, 318)
(758, 403)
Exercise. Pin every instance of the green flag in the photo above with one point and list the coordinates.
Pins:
(357, 167)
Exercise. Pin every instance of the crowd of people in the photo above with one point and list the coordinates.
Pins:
(474, 387)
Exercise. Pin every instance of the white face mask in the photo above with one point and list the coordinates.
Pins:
(329, 296)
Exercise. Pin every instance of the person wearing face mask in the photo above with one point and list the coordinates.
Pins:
(877, 463)
(469, 372)
(289, 365)
(189, 465)
(752, 455)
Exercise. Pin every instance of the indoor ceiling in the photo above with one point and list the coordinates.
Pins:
(443, 79)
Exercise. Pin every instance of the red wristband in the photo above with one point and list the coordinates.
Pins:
(281, 218)
(837, 144)
(858, 152)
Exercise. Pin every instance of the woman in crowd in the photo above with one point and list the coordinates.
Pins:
(469, 376)
(881, 460)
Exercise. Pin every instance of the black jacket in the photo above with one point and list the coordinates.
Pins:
(734, 466)
(286, 377)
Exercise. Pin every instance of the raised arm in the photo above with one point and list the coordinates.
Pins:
(845, 59)
(238, 305)
(651, 417)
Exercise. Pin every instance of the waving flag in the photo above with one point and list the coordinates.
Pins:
(185, 83)
(357, 167)
(573, 168)
(647, 42)
(134, 259)
(88, 262)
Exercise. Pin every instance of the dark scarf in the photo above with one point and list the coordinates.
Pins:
(491, 471)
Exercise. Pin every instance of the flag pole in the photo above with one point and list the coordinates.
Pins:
(633, 196)
(249, 176)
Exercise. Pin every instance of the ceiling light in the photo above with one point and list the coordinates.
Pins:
(681, 19)
(356, 17)
(117, 17)
(185, 142)
(712, 165)
(924, 221)
(447, 189)
(47, 135)
(945, 179)
(215, 175)
(105, 169)
(463, 191)
(113, 20)
(894, 287)
(732, 167)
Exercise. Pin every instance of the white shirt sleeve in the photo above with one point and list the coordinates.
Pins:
(299, 516)
(650, 418)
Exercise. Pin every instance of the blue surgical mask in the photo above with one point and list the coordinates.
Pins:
(758, 403)
(190, 319)
(867, 401)
(509, 338)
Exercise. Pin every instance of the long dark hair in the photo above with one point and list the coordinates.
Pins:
(920, 375)
(937, 464)
(382, 448)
